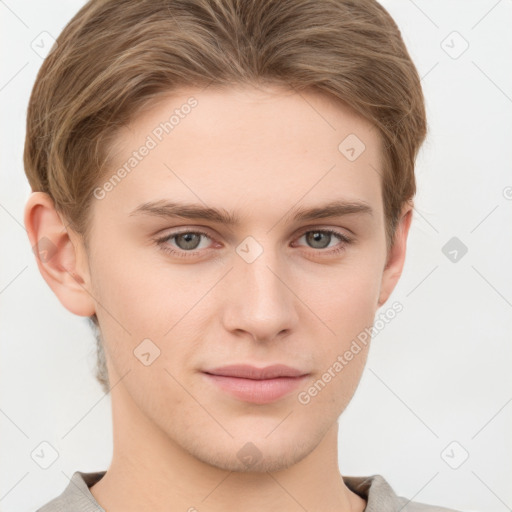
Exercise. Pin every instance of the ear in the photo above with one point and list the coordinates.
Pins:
(60, 254)
(396, 255)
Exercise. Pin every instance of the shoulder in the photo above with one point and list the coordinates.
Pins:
(76, 497)
(381, 497)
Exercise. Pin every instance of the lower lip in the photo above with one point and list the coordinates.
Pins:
(257, 391)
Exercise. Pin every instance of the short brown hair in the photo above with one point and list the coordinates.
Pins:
(116, 56)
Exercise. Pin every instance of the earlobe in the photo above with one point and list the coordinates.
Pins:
(61, 260)
(396, 256)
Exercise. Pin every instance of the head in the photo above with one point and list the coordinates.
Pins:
(256, 112)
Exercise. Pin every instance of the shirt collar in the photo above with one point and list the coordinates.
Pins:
(77, 496)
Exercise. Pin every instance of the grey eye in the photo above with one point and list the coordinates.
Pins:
(187, 241)
(318, 239)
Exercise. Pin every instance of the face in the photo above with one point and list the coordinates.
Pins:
(178, 292)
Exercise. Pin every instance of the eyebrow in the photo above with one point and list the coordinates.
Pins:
(169, 209)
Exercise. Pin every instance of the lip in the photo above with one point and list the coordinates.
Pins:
(247, 371)
(256, 385)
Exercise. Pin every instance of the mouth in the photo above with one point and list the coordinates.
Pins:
(256, 385)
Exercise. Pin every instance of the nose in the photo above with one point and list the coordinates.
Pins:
(258, 300)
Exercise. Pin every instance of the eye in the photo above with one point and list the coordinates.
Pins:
(321, 239)
(187, 243)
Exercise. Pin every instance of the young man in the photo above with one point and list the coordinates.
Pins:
(225, 188)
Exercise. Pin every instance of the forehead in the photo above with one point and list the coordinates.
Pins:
(246, 147)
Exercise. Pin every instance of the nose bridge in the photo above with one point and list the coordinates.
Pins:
(262, 304)
(260, 277)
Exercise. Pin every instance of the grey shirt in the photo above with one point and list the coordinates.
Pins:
(380, 497)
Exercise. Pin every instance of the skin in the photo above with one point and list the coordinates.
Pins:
(258, 153)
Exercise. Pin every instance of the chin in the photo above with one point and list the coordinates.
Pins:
(249, 449)
(250, 457)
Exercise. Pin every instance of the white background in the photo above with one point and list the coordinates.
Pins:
(438, 373)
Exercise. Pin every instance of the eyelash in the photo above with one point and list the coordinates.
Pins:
(163, 245)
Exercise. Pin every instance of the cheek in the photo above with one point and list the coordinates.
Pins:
(330, 389)
(346, 302)
(344, 299)
(143, 305)
(133, 288)
(341, 357)
(125, 302)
